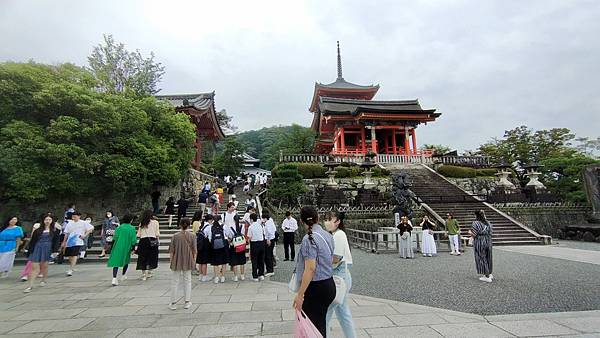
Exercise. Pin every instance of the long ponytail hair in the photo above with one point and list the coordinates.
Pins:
(310, 217)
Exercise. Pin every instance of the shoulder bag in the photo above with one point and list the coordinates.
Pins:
(340, 283)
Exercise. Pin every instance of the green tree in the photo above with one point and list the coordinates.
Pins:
(286, 185)
(563, 176)
(119, 71)
(229, 161)
(60, 137)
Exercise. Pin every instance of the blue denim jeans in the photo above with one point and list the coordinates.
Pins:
(342, 311)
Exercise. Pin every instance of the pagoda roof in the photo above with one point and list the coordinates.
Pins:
(202, 102)
(340, 83)
(336, 106)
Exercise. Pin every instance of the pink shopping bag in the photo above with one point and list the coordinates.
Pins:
(27, 269)
(304, 328)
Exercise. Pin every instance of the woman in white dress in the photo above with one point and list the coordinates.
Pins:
(405, 228)
(428, 248)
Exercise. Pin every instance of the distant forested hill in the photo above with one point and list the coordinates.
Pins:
(266, 143)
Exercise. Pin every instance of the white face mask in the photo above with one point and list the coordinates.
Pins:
(108, 215)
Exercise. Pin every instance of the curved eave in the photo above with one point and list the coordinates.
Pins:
(320, 90)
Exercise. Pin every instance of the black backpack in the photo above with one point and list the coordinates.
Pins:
(218, 238)
(201, 238)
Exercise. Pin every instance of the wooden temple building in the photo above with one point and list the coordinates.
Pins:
(348, 121)
(201, 109)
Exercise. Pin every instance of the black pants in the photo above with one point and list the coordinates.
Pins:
(288, 244)
(257, 256)
(317, 298)
(155, 206)
(269, 259)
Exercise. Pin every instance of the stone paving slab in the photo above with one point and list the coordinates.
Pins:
(139, 309)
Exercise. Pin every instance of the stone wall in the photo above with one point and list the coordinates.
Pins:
(546, 219)
(96, 206)
(476, 185)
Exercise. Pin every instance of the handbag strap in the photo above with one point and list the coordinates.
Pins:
(323, 238)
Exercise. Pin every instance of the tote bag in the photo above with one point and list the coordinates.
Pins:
(304, 328)
(340, 283)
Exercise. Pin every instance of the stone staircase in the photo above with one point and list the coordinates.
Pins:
(442, 196)
(165, 233)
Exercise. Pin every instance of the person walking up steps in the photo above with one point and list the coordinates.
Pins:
(256, 235)
(289, 227)
(75, 232)
(123, 244)
(453, 234)
(481, 231)
(147, 249)
(170, 209)
(44, 242)
(182, 252)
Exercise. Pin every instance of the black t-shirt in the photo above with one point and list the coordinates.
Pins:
(155, 195)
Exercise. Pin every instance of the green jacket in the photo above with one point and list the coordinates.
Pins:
(123, 241)
(452, 227)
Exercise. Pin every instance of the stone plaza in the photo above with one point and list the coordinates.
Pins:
(86, 305)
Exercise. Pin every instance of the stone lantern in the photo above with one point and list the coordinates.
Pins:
(331, 165)
(533, 174)
(502, 175)
(367, 165)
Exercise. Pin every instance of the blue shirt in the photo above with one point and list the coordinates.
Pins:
(321, 249)
(8, 238)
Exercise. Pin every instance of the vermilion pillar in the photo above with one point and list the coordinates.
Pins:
(363, 140)
(406, 142)
(414, 141)
(342, 141)
(394, 140)
(373, 140)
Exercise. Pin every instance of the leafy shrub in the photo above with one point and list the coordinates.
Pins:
(486, 172)
(456, 172)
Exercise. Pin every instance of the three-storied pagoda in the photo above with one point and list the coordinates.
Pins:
(348, 121)
(201, 109)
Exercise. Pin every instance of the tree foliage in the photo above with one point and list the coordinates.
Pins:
(118, 71)
(286, 185)
(563, 175)
(225, 121)
(438, 149)
(60, 137)
(229, 160)
(266, 144)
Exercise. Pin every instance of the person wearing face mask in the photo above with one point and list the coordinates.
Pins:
(342, 263)
(107, 232)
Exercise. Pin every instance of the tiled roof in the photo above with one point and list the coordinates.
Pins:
(200, 101)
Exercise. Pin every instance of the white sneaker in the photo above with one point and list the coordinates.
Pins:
(144, 277)
(485, 279)
(187, 305)
(200, 278)
(216, 280)
(24, 279)
(453, 253)
(222, 279)
(242, 277)
(123, 278)
(261, 277)
(40, 276)
(458, 253)
(235, 278)
(430, 255)
(269, 274)
(28, 290)
(491, 276)
(69, 272)
(255, 279)
(115, 282)
(205, 278)
(172, 306)
(42, 283)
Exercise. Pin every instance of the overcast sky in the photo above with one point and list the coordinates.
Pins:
(487, 66)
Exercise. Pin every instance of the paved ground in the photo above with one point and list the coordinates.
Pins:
(85, 305)
(524, 283)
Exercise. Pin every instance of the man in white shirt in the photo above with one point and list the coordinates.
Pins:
(75, 232)
(289, 227)
(270, 230)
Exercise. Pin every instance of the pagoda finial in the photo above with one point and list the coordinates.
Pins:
(339, 62)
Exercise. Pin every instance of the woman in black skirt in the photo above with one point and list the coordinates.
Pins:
(237, 255)
(219, 248)
(147, 249)
(170, 209)
(203, 245)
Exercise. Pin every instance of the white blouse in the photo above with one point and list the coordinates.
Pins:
(341, 246)
(256, 232)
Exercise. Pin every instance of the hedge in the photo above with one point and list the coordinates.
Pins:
(345, 170)
(464, 172)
